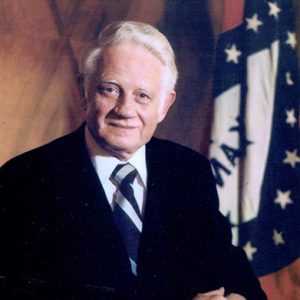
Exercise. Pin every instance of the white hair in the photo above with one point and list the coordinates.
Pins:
(139, 33)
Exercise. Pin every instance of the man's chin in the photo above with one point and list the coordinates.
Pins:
(120, 150)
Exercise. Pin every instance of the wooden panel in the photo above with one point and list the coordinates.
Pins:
(27, 17)
(39, 99)
(83, 20)
(79, 19)
(187, 27)
(146, 11)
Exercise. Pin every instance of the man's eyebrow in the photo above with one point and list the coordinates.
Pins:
(109, 80)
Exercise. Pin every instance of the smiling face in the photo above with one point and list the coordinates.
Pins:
(128, 98)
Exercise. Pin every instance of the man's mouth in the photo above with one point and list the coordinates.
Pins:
(121, 125)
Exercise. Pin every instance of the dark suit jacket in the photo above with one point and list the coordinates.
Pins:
(59, 241)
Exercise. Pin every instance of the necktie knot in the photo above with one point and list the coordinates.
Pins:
(124, 173)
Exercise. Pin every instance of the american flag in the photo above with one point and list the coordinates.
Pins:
(255, 143)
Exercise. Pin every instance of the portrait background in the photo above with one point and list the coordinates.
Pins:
(41, 42)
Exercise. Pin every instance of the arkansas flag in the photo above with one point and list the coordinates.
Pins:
(255, 142)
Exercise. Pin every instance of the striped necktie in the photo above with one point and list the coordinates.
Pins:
(126, 211)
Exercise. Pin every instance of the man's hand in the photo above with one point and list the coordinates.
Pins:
(218, 295)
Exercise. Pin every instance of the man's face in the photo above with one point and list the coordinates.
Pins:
(128, 99)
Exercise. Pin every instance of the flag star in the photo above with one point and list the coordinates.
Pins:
(290, 117)
(277, 238)
(292, 158)
(292, 41)
(288, 78)
(233, 54)
(253, 23)
(283, 198)
(250, 250)
(274, 9)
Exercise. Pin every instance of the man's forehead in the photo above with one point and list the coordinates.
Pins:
(129, 50)
(127, 60)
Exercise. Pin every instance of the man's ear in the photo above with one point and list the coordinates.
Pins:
(170, 98)
(80, 84)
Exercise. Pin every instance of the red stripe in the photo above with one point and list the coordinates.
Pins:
(233, 14)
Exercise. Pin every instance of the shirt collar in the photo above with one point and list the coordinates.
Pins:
(105, 165)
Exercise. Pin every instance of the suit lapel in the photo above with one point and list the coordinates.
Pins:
(153, 267)
(99, 250)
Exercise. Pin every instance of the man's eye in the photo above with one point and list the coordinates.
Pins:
(143, 96)
(109, 90)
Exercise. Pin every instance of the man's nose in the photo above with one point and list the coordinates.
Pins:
(125, 106)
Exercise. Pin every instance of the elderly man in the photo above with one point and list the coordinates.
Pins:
(109, 212)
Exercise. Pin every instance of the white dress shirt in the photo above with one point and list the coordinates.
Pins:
(105, 165)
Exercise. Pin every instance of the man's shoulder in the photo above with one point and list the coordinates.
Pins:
(46, 154)
(177, 157)
(172, 150)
